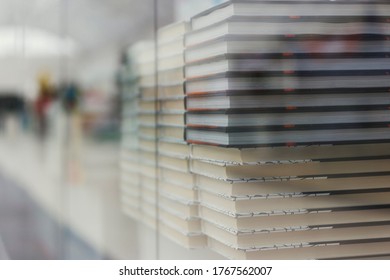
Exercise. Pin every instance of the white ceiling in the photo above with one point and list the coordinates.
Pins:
(36, 34)
(90, 24)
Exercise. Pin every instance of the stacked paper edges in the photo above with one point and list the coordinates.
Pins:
(297, 97)
(178, 205)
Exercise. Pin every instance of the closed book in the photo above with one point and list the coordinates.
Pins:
(251, 118)
(295, 205)
(297, 238)
(286, 63)
(289, 99)
(294, 80)
(288, 9)
(287, 46)
(325, 219)
(347, 250)
(274, 25)
(286, 137)
(273, 188)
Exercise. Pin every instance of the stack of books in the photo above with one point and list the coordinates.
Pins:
(178, 213)
(287, 113)
(139, 126)
(268, 73)
(147, 134)
(258, 201)
(130, 178)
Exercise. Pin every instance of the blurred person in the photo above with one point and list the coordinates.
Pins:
(12, 109)
(42, 103)
(70, 97)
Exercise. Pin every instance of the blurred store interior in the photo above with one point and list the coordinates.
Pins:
(59, 128)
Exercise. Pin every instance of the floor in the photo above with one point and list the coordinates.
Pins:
(28, 232)
(60, 199)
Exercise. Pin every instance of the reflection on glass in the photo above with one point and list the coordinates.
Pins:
(194, 129)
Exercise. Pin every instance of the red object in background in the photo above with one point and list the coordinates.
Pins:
(41, 105)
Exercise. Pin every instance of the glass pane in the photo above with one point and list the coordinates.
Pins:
(185, 129)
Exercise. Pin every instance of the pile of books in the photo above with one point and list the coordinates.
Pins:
(178, 213)
(147, 116)
(139, 126)
(288, 117)
(268, 73)
(268, 138)
(130, 178)
(263, 202)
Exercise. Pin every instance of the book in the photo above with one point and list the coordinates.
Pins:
(171, 77)
(178, 149)
(264, 81)
(148, 195)
(279, 62)
(291, 169)
(303, 153)
(345, 250)
(299, 238)
(177, 177)
(147, 119)
(176, 105)
(219, 137)
(181, 191)
(149, 93)
(289, 99)
(273, 25)
(147, 157)
(146, 170)
(174, 163)
(172, 91)
(147, 106)
(185, 208)
(297, 46)
(292, 9)
(147, 214)
(186, 240)
(171, 134)
(147, 132)
(188, 226)
(292, 205)
(172, 119)
(314, 220)
(251, 118)
(130, 193)
(172, 32)
(171, 62)
(148, 81)
(170, 48)
(274, 188)
(147, 144)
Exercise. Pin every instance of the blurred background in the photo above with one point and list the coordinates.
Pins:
(59, 128)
